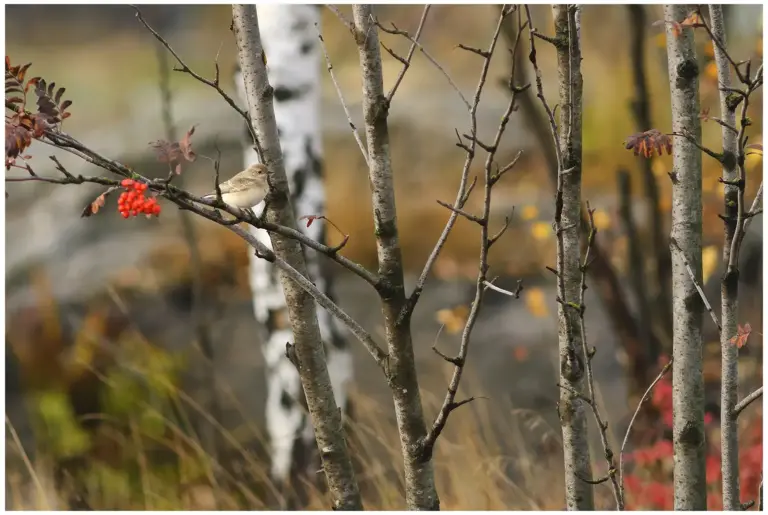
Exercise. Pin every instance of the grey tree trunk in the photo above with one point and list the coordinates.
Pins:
(420, 489)
(310, 355)
(687, 381)
(293, 68)
(729, 287)
(578, 493)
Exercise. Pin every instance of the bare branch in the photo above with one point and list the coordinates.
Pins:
(420, 489)
(673, 243)
(335, 10)
(211, 83)
(720, 46)
(515, 294)
(746, 401)
(407, 61)
(462, 195)
(414, 41)
(481, 284)
(341, 96)
(711, 153)
(643, 399)
(471, 218)
(756, 208)
(592, 400)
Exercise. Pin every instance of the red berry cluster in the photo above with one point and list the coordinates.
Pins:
(132, 201)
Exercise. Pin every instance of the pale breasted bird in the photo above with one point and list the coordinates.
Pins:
(246, 189)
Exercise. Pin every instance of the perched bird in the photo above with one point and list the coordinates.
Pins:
(246, 189)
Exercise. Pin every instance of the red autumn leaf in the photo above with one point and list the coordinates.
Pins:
(167, 152)
(704, 115)
(185, 145)
(649, 142)
(742, 335)
(310, 219)
(174, 153)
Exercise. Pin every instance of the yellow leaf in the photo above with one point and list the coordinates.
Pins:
(710, 71)
(709, 50)
(529, 213)
(661, 40)
(709, 258)
(602, 220)
(453, 319)
(535, 302)
(541, 230)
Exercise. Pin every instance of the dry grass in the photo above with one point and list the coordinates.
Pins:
(485, 446)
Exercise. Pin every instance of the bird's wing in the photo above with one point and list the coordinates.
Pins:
(225, 187)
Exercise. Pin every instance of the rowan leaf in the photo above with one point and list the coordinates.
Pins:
(167, 151)
(742, 335)
(185, 145)
(93, 207)
(648, 143)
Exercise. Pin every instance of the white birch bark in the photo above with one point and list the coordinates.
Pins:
(687, 381)
(309, 357)
(293, 55)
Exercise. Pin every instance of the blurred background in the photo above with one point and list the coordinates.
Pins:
(102, 363)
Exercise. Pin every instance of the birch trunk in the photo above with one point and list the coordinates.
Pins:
(729, 286)
(290, 42)
(420, 489)
(687, 381)
(300, 306)
(578, 493)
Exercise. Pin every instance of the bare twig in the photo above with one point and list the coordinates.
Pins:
(592, 400)
(414, 41)
(711, 153)
(643, 399)
(746, 401)
(673, 243)
(462, 195)
(347, 23)
(211, 83)
(721, 48)
(756, 207)
(407, 61)
(449, 403)
(341, 96)
(515, 294)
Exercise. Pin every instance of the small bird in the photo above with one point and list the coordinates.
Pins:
(246, 189)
